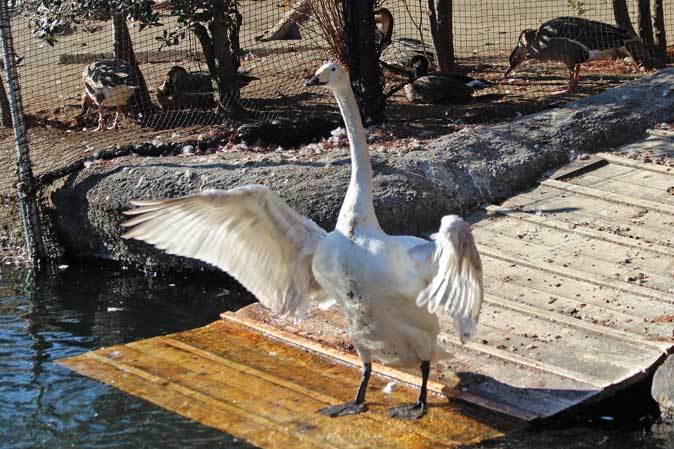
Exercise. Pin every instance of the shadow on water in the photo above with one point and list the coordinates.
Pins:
(79, 309)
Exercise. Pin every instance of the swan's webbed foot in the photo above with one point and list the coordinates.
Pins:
(418, 409)
(348, 408)
(408, 411)
(358, 404)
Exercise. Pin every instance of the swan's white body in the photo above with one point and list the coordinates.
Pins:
(389, 287)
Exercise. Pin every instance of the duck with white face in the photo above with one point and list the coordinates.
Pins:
(388, 287)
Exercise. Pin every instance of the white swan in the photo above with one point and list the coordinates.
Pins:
(389, 287)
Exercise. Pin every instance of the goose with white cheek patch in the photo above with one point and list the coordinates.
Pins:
(389, 287)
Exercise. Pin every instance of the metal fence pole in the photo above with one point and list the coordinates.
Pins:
(26, 182)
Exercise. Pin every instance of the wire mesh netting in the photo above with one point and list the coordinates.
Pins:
(275, 45)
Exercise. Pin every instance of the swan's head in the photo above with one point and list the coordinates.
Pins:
(329, 75)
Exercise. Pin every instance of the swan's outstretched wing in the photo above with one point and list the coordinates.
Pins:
(455, 269)
(249, 232)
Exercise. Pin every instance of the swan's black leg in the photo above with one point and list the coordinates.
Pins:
(418, 409)
(358, 404)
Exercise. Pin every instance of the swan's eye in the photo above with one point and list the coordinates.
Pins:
(333, 69)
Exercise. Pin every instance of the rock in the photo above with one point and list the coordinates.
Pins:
(662, 388)
(452, 174)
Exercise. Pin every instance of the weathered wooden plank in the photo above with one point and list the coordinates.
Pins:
(643, 178)
(631, 222)
(627, 189)
(595, 306)
(271, 397)
(158, 392)
(635, 164)
(592, 257)
(522, 337)
(571, 273)
(608, 196)
(546, 220)
(464, 373)
(576, 167)
(540, 287)
(353, 359)
(634, 338)
(270, 392)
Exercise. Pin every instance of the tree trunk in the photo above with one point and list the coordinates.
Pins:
(440, 14)
(123, 49)
(361, 53)
(660, 35)
(220, 50)
(645, 24)
(5, 115)
(622, 15)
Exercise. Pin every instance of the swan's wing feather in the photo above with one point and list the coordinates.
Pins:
(452, 263)
(249, 232)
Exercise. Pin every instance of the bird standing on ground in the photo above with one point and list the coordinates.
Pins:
(397, 54)
(107, 83)
(439, 87)
(192, 90)
(573, 41)
(389, 287)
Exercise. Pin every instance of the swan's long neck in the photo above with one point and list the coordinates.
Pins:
(357, 209)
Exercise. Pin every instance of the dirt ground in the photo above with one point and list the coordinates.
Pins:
(485, 32)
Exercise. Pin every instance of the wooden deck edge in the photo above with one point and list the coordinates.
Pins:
(627, 162)
(577, 167)
(608, 196)
(395, 374)
(584, 231)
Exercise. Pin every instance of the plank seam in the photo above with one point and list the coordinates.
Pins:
(581, 276)
(608, 196)
(275, 380)
(386, 371)
(584, 231)
(580, 324)
(200, 397)
(627, 162)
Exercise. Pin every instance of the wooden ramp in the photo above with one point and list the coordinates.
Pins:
(238, 380)
(580, 303)
(579, 275)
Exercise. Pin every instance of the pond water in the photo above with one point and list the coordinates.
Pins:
(44, 405)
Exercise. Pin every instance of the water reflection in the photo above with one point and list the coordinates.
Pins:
(47, 406)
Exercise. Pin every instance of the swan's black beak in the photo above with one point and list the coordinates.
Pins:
(315, 81)
(505, 76)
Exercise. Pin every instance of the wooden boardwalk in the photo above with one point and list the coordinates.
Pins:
(579, 304)
(579, 278)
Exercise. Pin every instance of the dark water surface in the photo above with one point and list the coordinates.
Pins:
(43, 405)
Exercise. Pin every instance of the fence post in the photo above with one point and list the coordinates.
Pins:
(440, 15)
(660, 33)
(622, 15)
(645, 25)
(26, 182)
(364, 69)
